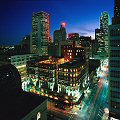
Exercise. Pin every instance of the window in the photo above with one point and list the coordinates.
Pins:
(39, 116)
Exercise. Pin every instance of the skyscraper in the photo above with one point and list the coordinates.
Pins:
(104, 22)
(99, 37)
(40, 33)
(116, 18)
(114, 64)
(60, 35)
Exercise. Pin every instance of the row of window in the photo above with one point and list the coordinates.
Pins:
(115, 43)
(115, 74)
(115, 63)
(115, 84)
(115, 105)
(69, 70)
(69, 83)
(115, 53)
(115, 32)
(68, 79)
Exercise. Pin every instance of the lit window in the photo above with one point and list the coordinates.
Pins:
(70, 84)
(74, 75)
(38, 116)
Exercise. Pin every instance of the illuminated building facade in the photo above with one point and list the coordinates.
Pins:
(20, 61)
(71, 79)
(114, 64)
(51, 79)
(47, 73)
(70, 52)
(104, 23)
(44, 73)
(100, 38)
(60, 35)
(85, 41)
(40, 33)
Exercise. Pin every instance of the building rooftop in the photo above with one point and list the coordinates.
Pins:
(15, 104)
(74, 63)
(53, 61)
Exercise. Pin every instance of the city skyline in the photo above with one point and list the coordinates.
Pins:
(69, 77)
(14, 27)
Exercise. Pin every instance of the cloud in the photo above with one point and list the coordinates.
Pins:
(87, 30)
(83, 34)
(90, 30)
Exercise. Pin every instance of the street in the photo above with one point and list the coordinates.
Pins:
(93, 104)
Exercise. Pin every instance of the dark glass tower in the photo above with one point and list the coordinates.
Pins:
(116, 18)
(114, 64)
(60, 35)
(40, 33)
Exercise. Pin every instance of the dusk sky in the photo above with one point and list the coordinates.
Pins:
(81, 16)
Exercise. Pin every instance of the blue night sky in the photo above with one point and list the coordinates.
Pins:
(81, 16)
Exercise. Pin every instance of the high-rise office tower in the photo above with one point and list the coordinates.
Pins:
(104, 23)
(60, 35)
(40, 33)
(63, 31)
(99, 37)
(116, 18)
(114, 64)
